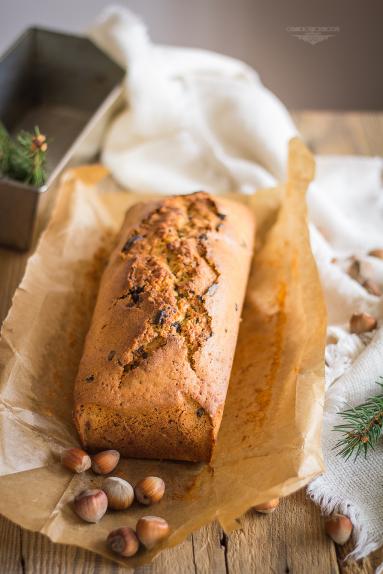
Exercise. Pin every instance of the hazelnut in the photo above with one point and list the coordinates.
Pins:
(91, 504)
(151, 530)
(76, 459)
(362, 323)
(267, 507)
(338, 527)
(354, 269)
(149, 490)
(119, 492)
(372, 287)
(106, 461)
(123, 541)
(376, 253)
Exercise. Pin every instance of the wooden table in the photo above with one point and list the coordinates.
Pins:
(291, 539)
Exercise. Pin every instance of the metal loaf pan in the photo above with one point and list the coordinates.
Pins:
(68, 88)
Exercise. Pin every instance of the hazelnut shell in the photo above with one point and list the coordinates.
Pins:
(376, 253)
(267, 507)
(372, 287)
(91, 504)
(123, 541)
(119, 492)
(151, 530)
(339, 528)
(362, 323)
(105, 462)
(149, 490)
(75, 459)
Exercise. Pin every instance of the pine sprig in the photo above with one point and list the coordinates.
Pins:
(23, 158)
(362, 428)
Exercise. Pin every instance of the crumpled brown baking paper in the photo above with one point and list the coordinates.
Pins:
(269, 442)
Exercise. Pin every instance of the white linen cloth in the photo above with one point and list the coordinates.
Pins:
(199, 120)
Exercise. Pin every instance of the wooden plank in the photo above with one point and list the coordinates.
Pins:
(202, 553)
(210, 550)
(12, 267)
(178, 559)
(10, 549)
(372, 125)
(330, 133)
(291, 539)
(43, 557)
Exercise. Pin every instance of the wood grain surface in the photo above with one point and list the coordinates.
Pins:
(291, 540)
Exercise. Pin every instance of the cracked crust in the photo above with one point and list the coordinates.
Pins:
(154, 374)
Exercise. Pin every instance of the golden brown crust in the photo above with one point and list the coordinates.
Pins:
(154, 373)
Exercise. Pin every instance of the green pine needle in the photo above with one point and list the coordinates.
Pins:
(23, 158)
(362, 428)
(4, 149)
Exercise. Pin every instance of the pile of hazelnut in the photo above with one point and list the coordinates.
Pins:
(117, 494)
(361, 323)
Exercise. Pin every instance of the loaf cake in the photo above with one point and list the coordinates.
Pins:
(155, 369)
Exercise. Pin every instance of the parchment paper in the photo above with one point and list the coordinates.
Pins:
(269, 442)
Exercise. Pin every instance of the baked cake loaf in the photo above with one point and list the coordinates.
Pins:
(155, 369)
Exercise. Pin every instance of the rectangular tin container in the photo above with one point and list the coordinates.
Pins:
(68, 88)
